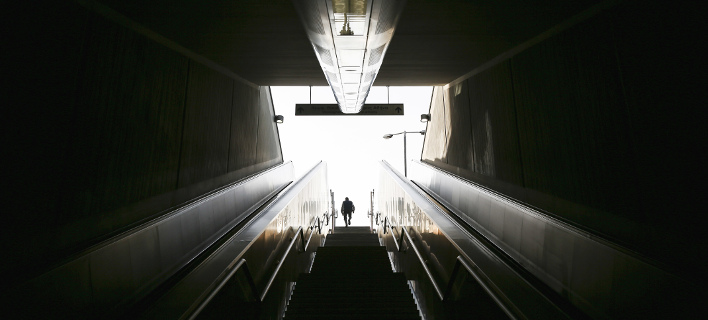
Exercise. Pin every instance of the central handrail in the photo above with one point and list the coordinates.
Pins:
(417, 253)
(249, 278)
(299, 234)
(455, 271)
(460, 261)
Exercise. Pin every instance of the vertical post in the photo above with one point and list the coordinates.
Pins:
(371, 217)
(334, 213)
(388, 95)
(405, 163)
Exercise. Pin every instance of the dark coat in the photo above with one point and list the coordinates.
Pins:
(347, 206)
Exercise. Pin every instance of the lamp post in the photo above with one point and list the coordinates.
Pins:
(405, 164)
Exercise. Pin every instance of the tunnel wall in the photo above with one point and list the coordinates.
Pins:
(112, 125)
(593, 124)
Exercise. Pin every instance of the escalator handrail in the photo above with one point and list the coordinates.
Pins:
(417, 253)
(249, 277)
(299, 234)
(460, 261)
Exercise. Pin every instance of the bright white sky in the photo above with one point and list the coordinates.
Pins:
(352, 146)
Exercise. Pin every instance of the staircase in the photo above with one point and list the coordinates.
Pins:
(351, 278)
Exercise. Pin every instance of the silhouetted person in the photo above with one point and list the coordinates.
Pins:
(347, 210)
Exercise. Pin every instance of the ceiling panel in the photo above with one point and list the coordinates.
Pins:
(264, 42)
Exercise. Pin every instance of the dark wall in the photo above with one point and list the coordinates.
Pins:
(111, 127)
(596, 125)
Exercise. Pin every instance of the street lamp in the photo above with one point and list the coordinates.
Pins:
(390, 135)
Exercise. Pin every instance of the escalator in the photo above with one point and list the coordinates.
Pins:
(481, 254)
(215, 258)
(254, 235)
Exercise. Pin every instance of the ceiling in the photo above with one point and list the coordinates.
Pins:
(263, 41)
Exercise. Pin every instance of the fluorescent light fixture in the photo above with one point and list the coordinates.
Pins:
(350, 38)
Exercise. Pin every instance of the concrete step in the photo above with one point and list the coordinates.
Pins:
(352, 229)
(352, 282)
(352, 239)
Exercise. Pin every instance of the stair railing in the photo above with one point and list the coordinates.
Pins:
(298, 234)
(242, 264)
(249, 278)
(399, 245)
(316, 222)
(455, 270)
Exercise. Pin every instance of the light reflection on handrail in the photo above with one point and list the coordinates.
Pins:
(299, 234)
(455, 271)
(420, 257)
(249, 278)
(397, 243)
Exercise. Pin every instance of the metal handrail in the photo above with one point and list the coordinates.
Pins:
(318, 224)
(282, 260)
(397, 243)
(302, 235)
(455, 271)
(249, 278)
(299, 234)
(460, 261)
(417, 253)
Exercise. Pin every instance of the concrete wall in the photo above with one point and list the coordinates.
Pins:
(111, 125)
(594, 122)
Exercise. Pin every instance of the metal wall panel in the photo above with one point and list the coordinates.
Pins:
(103, 112)
(43, 62)
(127, 121)
(268, 146)
(40, 94)
(572, 124)
(244, 126)
(460, 152)
(595, 275)
(436, 135)
(494, 125)
(572, 118)
(205, 149)
(663, 76)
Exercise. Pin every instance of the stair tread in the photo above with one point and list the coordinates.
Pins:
(348, 316)
(344, 301)
(351, 282)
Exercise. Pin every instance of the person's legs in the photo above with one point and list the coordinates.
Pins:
(344, 215)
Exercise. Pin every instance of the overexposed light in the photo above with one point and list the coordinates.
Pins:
(351, 145)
